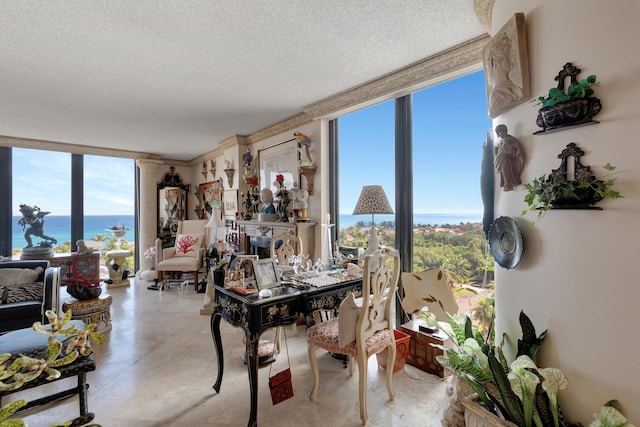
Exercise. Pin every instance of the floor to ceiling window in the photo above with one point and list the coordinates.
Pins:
(44, 181)
(109, 201)
(449, 125)
(41, 179)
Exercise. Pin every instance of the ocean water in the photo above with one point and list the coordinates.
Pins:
(347, 221)
(59, 227)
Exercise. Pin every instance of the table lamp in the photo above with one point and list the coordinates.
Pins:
(372, 201)
(217, 224)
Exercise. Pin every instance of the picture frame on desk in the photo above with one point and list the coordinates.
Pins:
(245, 262)
(280, 158)
(266, 272)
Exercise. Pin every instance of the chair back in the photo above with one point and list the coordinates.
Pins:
(192, 226)
(379, 282)
(291, 245)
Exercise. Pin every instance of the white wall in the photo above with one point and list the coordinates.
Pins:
(578, 277)
(314, 131)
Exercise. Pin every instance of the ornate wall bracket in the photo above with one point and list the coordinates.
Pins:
(309, 173)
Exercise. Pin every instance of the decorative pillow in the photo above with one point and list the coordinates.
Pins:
(347, 319)
(22, 292)
(18, 276)
(188, 244)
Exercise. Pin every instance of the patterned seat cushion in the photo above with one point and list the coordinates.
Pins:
(325, 335)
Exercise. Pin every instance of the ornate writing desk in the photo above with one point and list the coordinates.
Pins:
(255, 315)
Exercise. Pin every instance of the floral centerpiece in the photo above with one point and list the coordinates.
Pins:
(83, 289)
(280, 180)
(150, 254)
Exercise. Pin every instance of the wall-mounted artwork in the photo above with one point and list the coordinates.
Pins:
(211, 195)
(230, 203)
(506, 67)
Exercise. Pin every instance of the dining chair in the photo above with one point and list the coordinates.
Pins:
(362, 330)
(290, 245)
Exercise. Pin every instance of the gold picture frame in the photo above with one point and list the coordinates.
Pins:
(506, 67)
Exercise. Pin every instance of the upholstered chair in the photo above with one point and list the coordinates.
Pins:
(188, 253)
(362, 330)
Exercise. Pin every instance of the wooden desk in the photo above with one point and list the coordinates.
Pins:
(255, 315)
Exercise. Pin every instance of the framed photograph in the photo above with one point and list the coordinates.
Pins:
(245, 262)
(266, 273)
(230, 203)
(233, 277)
(210, 195)
(281, 158)
(506, 67)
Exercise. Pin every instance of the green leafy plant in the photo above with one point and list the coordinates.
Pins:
(16, 371)
(581, 89)
(545, 191)
(520, 391)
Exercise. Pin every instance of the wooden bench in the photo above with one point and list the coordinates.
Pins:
(31, 343)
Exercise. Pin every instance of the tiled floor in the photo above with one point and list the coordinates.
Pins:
(158, 366)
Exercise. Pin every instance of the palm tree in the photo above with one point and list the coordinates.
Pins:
(483, 313)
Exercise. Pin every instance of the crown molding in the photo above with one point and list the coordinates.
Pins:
(421, 74)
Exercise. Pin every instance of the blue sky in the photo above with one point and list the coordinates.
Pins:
(43, 178)
(450, 125)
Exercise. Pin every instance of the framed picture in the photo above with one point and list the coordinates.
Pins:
(266, 273)
(506, 67)
(230, 203)
(245, 262)
(281, 158)
(233, 277)
(210, 195)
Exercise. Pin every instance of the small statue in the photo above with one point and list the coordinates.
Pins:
(83, 248)
(33, 217)
(304, 141)
(249, 166)
(247, 158)
(509, 159)
(266, 201)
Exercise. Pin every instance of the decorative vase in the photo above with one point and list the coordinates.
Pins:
(84, 293)
(568, 113)
(476, 415)
(149, 275)
(293, 219)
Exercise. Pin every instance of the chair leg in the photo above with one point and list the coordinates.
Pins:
(195, 280)
(314, 370)
(362, 374)
(391, 360)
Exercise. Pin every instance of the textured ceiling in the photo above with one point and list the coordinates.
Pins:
(174, 78)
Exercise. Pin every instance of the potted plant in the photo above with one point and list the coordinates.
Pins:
(506, 394)
(561, 191)
(65, 345)
(575, 105)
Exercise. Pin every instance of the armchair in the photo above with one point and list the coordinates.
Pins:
(187, 254)
(22, 314)
(372, 330)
